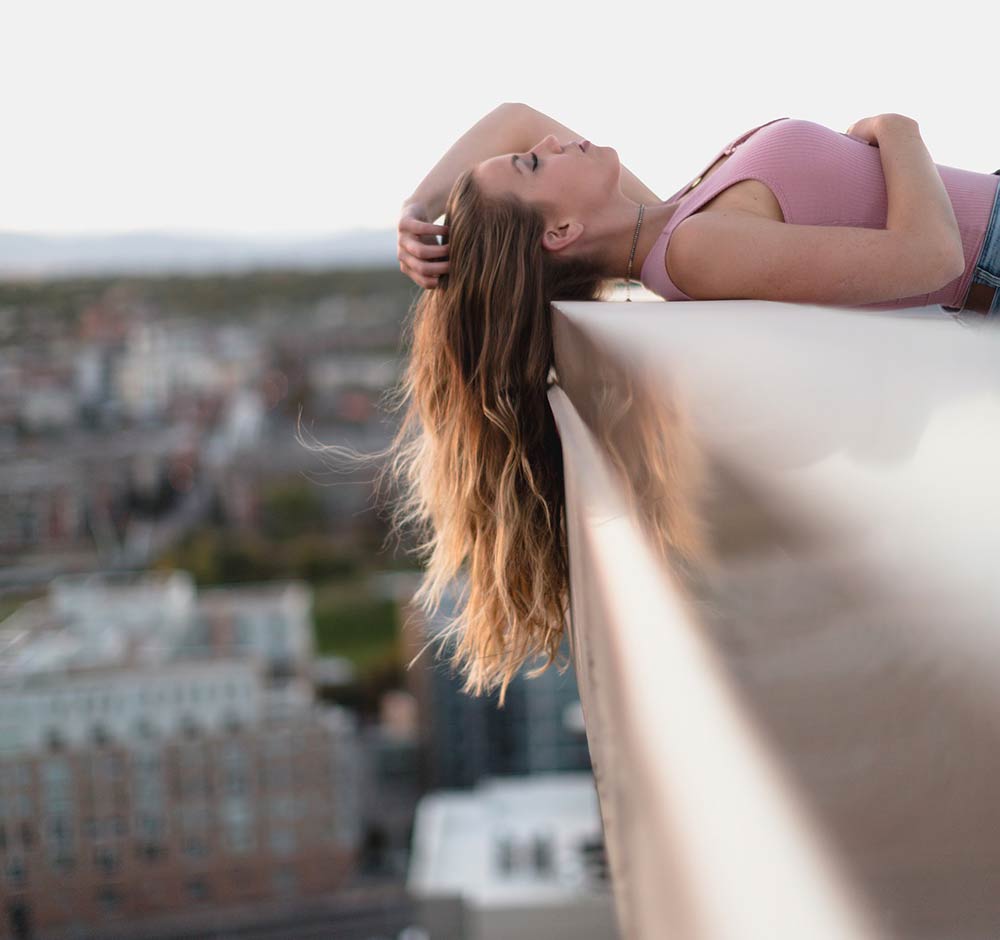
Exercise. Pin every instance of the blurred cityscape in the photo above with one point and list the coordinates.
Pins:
(207, 723)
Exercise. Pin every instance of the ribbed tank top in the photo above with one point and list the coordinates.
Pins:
(824, 177)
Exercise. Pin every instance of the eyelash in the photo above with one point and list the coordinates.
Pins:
(534, 166)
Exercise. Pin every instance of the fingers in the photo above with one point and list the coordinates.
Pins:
(428, 282)
(430, 267)
(409, 224)
(426, 271)
(418, 249)
(415, 253)
(421, 271)
(424, 267)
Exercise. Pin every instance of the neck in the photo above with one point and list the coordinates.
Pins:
(622, 230)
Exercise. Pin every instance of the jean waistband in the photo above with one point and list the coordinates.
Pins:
(981, 296)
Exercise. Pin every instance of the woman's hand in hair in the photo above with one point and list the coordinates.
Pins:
(421, 258)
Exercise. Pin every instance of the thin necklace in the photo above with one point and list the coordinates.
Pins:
(635, 239)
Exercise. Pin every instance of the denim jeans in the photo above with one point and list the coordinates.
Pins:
(988, 266)
(987, 270)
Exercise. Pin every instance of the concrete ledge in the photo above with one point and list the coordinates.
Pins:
(812, 702)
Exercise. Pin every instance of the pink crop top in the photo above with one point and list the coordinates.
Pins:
(825, 177)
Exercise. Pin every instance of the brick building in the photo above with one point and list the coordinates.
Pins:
(155, 762)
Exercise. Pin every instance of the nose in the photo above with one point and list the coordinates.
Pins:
(551, 142)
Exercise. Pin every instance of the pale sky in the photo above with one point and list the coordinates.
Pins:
(314, 117)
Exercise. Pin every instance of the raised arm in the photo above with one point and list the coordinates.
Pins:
(500, 131)
(509, 127)
(421, 258)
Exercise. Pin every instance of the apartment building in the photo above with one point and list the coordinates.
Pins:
(163, 755)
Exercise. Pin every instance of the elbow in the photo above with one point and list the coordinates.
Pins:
(947, 264)
(953, 264)
(959, 268)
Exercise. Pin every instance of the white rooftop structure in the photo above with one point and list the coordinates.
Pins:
(525, 854)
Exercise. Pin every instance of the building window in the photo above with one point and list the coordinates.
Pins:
(63, 863)
(193, 825)
(56, 783)
(17, 875)
(197, 889)
(239, 837)
(284, 883)
(195, 846)
(149, 828)
(60, 830)
(150, 851)
(106, 860)
(109, 899)
(238, 823)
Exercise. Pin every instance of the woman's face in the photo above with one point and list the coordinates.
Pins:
(572, 179)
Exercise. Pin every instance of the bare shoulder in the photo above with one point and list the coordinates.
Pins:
(733, 254)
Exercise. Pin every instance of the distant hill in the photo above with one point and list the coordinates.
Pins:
(29, 256)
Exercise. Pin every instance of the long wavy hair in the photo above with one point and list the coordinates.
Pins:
(477, 454)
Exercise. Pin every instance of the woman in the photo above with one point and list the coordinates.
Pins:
(790, 211)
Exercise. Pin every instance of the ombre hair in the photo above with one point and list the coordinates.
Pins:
(477, 454)
(485, 476)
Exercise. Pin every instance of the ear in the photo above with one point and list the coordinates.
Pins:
(562, 236)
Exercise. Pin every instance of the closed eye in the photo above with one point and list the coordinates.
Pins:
(535, 164)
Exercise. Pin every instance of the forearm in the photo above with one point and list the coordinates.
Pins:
(498, 132)
(919, 204)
